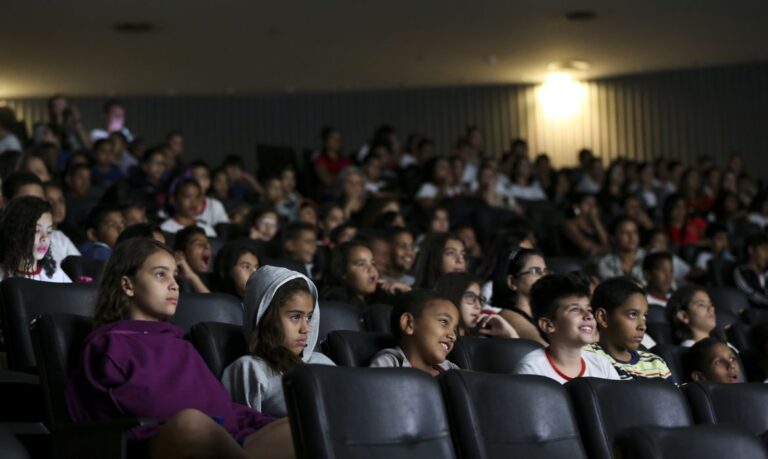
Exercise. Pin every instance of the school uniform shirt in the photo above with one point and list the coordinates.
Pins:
(752, 285)
(58, 275)
(539, 363)
(95, 250)
(659, 300)
(249, 379)
(213, 213)
(173, 227)
(641, 364)
(610, 266)
(62, 247)
(147, 369)
(395, 358)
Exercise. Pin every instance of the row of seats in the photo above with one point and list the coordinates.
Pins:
(392, 413)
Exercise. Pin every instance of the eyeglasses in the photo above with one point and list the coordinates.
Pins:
(472, 297)
(535, 271)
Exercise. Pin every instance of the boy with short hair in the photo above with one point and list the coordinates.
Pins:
(659, 277)
(192, 251)
(424, 324)
(562, 310)
(713, 360)
(620, 313)
(750, 277)
(300, 244)
(103, 227)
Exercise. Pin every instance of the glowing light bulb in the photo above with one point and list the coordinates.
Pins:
(561, 96)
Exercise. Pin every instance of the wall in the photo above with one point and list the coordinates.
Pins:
(678, 114)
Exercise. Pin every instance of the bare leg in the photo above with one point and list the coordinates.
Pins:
(272, 441)
(192, 434)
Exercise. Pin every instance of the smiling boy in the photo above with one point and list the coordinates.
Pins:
(562, 310)
(620, 311)
(424, 324)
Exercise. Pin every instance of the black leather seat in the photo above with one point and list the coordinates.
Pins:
(744, 405)
(345, 413)
(11, 446)
(355, 349)
(661, 332)
(77, 267)
(724, 319)
(701, 442)
(336, 315)
(498, 416)
(728, 299)
(755, 315)
(675, 358)
(218, 344)
(604, 408)
(194, 308)
(738, 335)
(376, 318)
(491, 355)
(229, 231)
(657, 313)
(25, 299)
(564, 265)
(58, 340)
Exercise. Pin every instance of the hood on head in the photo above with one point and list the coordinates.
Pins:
(259, 291)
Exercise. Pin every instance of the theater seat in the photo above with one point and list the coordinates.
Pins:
(337, 315)
(657, 313)
(701, 442)
(728, 299)
(738, 335)
(744, 405)
(491, 355)
(355, 349)
(24, 299)
(218, 344)
(194, 308)
(376, 318)
(675, 358)
(605, 408)
(370, 413)
(11, 446)
(661, 332)
(755, 315)
(79, 267)
(499, 416)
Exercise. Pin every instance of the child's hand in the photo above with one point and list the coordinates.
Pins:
(393, 287)
(495, 325)
(184, 269)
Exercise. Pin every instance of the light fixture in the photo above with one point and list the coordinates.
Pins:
(561, 96)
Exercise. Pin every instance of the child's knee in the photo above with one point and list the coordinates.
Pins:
(194, 426)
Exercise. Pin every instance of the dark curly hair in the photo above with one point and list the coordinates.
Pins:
(127, 257)
(225, 260)
(18, 224)
(266, 341)
(429, 261)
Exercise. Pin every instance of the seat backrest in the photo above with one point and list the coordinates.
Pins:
(25, 299)
(701, 442)
(494, 415)
(604, 408)
(58, 340)
(218, 344)
(744, 405)
(661, 332)
(491, 355)
(564, 265)
(337, 315)
(657, 313)
(342, 413)
(724, 319)
(194, 308)
(376, 318)
(356, 349)
(11, 447)
(738, 335)
(77, 267)
(675, 358)
(728, 299)
(755, 315)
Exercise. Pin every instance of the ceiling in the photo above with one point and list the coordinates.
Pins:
(248, 46)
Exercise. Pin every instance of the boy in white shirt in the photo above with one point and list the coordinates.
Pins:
(561, 307)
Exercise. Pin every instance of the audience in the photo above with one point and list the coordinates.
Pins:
(692, 315)
(713, 360)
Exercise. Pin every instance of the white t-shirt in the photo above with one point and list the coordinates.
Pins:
(62, 246)
(429, 190)
(10, 142)
(537, 363)
(214, 212)
(58, 276)
(532, 192)
(173, 227)
(98, 134)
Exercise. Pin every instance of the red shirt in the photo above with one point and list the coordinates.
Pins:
(332, 165)
(691, 233)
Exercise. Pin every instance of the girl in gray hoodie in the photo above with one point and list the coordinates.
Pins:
(282, 318)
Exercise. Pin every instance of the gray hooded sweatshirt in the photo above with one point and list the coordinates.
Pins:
(249, 379)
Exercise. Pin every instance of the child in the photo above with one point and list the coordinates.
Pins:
(692, 315)
(264, 224)
(561, 307)
(659, 277)
(105, 171)
(352, 274)
(402, 256)
(186, 200)
(26, 225)
(212, 210)
(105, 223)
(193, 255)
(627, 256)
(525, 267)
(233, 266)
(712, 360)
(332, 216)
(442, 253)
(717, 238)
(300, 244)
(134, 212)
(282, 320)
(476, 317)
(620, 313)
(116, 379)
(424, 324)
(145, 230)
(750, 277)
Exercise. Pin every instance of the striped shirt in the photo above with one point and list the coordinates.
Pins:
(641, 365)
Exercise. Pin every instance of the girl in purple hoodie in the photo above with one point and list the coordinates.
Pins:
(136, 364)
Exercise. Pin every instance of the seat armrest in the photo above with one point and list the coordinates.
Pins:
(97, 439)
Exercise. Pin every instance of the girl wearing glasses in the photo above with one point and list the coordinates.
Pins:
(477, 317)
(525, 267)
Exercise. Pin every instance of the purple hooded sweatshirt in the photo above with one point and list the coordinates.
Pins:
(145, 369)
